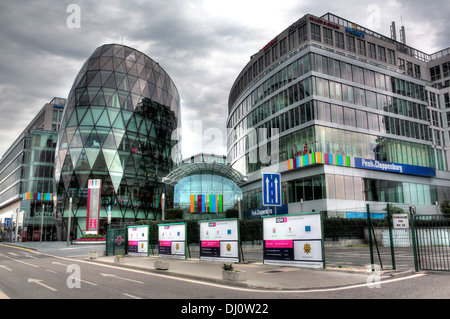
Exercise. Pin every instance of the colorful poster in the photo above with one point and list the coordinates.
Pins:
(219, 240)
(172, 240)
(93, 206)
(293, 240)
(138, 240)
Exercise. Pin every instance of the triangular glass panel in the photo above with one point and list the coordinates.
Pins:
(114, 101)
(139, 119)
(112, 114)
(108, 66)
(75, 155)
(124, 86)
(104, 119)
(80, 112)
(110, 142)
(129, 54)
(140, 70)
(92, 154)
(126, 116)
(108, 50)
(63, 143)
(96, 112)
(119, 51)
(132, 80)
(82, 179)
(92, 93)
(110, 82)
(85, 132)
(118, 135)
(82, 98)
(132, 125)
(62, 157)
(76, 140)
(93, 140)
(118, 123)
(105, 76)
(109, 156)
(116, 178)
(119, 78)
(100, 165)
(73, 120)
(116, 166)
(82, 164)
(99, 99)
(94, 64)
(136, 99)
(143, 129)
(136, 88)
(87, 119)
(102, 133)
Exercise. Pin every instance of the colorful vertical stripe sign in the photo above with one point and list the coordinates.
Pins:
(206, 204)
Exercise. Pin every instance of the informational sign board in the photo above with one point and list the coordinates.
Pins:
(219, 240)
(138, 240)
(93, 206)
(271, 189)
(293, 240)
(172, 240)
(400, 221)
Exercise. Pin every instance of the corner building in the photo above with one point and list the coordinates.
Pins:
(348, 116)
(117, 127)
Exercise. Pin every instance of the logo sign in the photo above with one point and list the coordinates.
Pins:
(271, 189)
(355, 31)
(93, 205)
(394, 167)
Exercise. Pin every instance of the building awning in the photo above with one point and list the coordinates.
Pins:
(203, 168)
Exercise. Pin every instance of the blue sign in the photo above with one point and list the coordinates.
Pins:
(355, 32)
(271, 189)
(394, 167)
(7, 222)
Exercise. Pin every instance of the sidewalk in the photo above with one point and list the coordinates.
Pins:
(257, 275)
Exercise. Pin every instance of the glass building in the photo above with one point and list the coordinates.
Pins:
(27, 176)
(117, 127)
(348, 116)
(205, 186)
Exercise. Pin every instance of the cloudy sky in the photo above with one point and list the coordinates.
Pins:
(203, 45)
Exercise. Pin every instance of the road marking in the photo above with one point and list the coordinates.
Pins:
(4, 245)
(114, 276)
(20, 261)
(131, 296)
(40, 283)
(1, 266)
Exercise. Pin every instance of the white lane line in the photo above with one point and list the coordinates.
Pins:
(114, 276)
(131, 296)
(20, 261)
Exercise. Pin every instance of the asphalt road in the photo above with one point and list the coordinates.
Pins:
(27, 274)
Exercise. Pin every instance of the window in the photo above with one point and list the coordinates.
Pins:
(328, 36)
(283, 47)
(391, 56)
(401, 64)
(274, 53)
(417, 72)
(291, 40)
(446, 69)
(435, 73)
(361, 47)
(339, 39)
(351, 43)
(382, 54)
(267, 58)
(302, 34)
(409, 68)
(372, 51)
(315, 32)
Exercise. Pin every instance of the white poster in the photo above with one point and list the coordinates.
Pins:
(293, 240)
(172, 240)
(219, 240)
(138, 237)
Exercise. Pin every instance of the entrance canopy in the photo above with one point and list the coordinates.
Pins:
(204, 168)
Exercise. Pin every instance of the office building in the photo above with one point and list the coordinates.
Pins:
(346, 115)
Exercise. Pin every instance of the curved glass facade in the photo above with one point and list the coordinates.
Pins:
(117, 127)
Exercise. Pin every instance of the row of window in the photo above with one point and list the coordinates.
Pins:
(331, 67)
(435, 72)
(351, 188)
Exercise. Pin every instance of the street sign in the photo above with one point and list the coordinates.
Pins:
(400, 221)
(271, 189)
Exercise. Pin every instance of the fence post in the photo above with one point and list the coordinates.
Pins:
(369, 228)
(388, 208)
(412, 211)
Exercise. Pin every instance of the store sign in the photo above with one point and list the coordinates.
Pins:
(324, 22)
(268, 45)
(394, 167)
(355, 32)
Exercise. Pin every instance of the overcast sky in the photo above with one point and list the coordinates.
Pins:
(203, 45)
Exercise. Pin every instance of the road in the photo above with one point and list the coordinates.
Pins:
(28, 274)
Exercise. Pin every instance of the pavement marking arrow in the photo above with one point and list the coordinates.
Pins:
(40, 283)
(110, 275)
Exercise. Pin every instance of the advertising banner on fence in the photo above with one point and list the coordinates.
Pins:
(138, 239)
(219, 240)
(172, 240)
(293, 240)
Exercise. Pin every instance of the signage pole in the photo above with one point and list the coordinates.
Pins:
(68, 223)
(42, 223)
